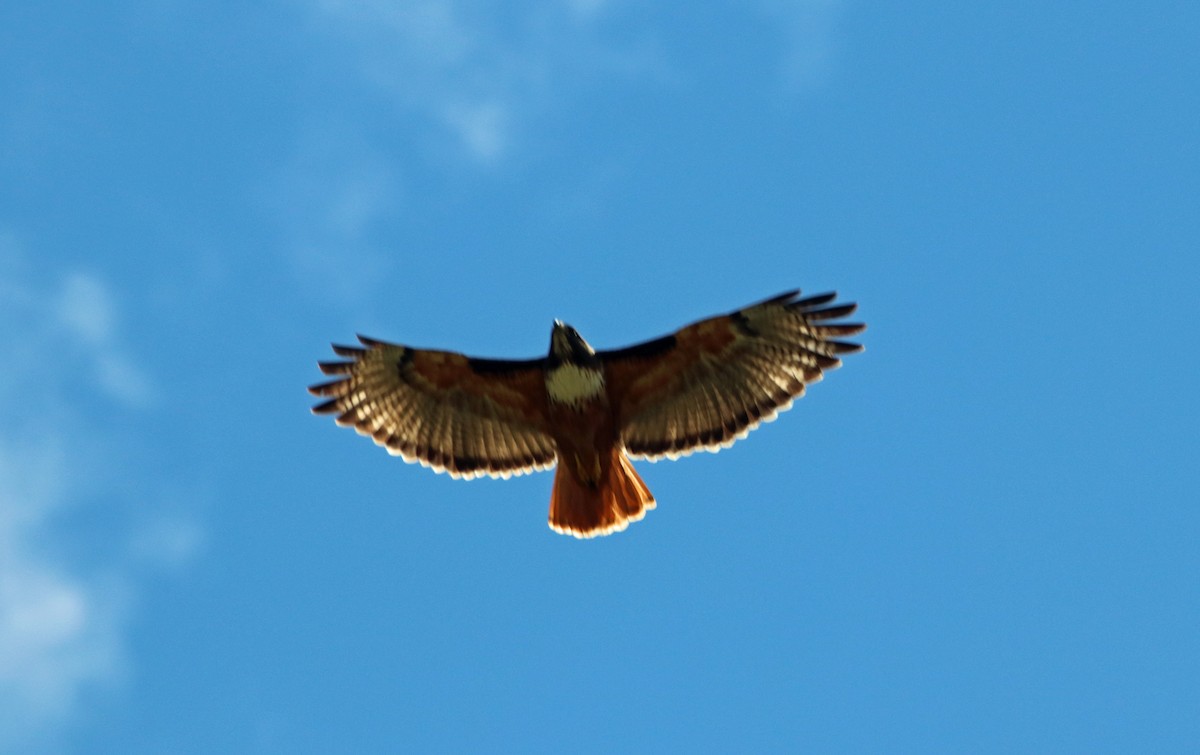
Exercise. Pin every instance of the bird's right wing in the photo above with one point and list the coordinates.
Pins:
(456, 414)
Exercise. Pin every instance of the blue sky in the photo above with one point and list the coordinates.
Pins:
(979, 535)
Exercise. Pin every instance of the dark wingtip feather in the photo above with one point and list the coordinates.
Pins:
(844, 347)
(846, 328)
(327, 407)
(348, 351)
(326, 389)
(815, 300)
(784, 297)
(335, 368)
(831, 313)
(369, 342)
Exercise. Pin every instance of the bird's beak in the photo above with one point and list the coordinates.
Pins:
(560, 341)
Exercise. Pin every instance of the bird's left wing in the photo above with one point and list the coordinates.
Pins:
(450, 412)
(705, 386)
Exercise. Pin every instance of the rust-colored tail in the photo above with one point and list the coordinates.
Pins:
(582, 511)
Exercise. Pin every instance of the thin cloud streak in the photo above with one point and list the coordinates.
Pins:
(809, 28)
(484, 71)
(327, 201)
(60, 627)
(481, 72)
(481, 78)
(62, 623)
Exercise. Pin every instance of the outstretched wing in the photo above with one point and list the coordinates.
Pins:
(467, 417)
(712, 382)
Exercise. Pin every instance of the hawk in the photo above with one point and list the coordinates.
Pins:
(589, 412)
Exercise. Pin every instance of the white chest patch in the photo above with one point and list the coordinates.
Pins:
(572, 384)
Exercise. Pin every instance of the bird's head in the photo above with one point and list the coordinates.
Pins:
(566, 345)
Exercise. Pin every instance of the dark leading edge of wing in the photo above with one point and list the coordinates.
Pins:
(710, 383)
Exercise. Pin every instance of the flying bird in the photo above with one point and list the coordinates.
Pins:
(589, 412)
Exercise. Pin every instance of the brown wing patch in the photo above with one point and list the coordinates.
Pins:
(437, 409)
(724, 376)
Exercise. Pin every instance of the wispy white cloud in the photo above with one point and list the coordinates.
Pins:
(810, 35)
(72, 319)
(328, 199)
(482, 126)
(62, 622)
(480, 70)
(586, 8)
(83, 307)
(484, 69)
(483, 77)
(166, 541)
(59, 628)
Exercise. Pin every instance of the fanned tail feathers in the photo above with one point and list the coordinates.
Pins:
(584, 512)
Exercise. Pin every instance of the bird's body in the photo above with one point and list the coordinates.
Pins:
(595, 490)
(700, 388)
